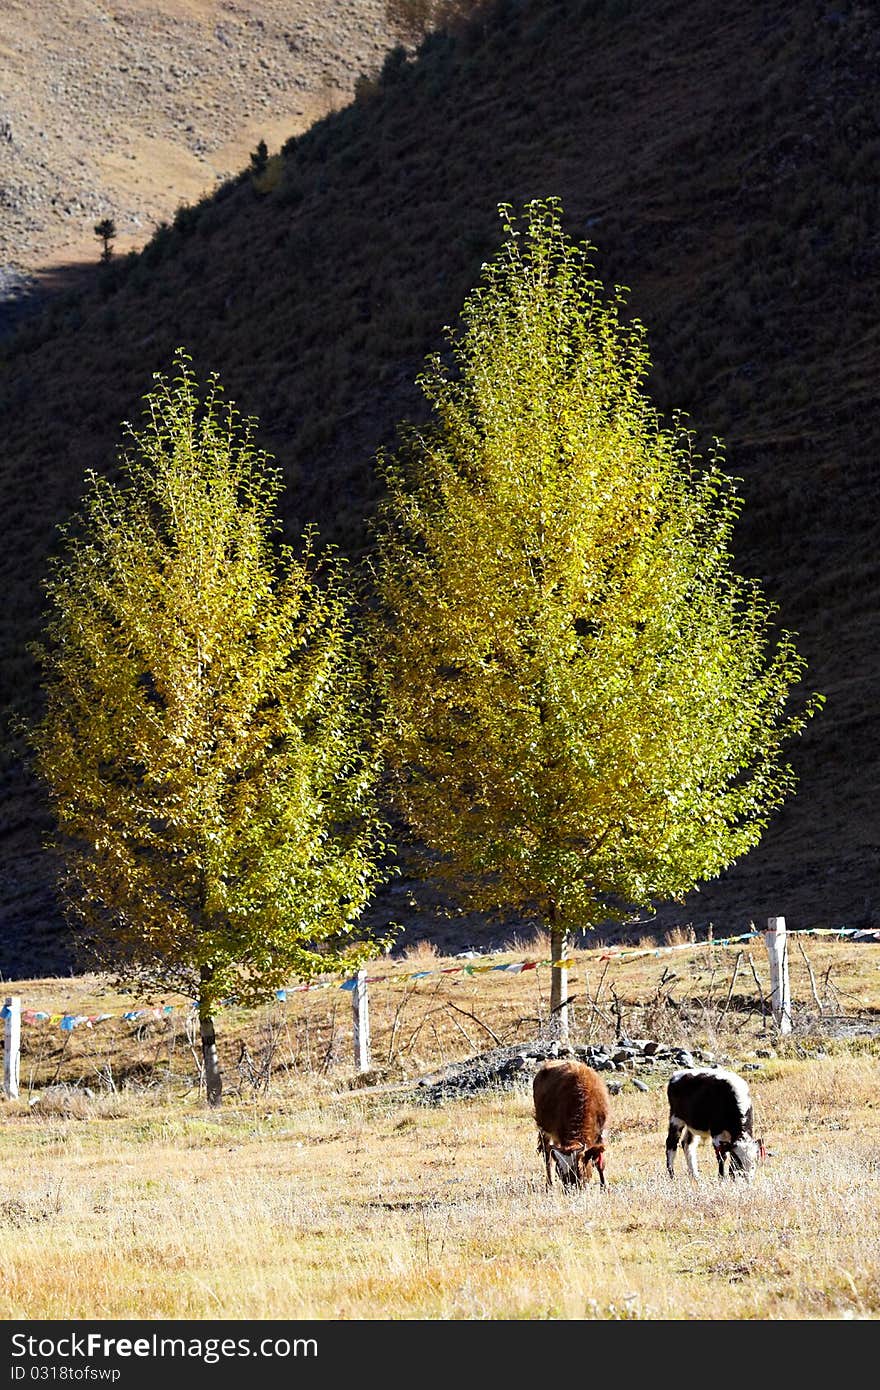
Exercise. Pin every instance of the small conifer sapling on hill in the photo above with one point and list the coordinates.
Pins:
(588, 705)
(105, 230)
(208, 739)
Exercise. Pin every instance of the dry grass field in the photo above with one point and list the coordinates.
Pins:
(317, 1194)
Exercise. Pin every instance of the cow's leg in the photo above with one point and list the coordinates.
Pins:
(689, 1144)
(544, 1148)
(672, 1138)
(600, 1168)
(720, 1154)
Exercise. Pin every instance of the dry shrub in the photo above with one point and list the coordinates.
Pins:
(74, 1103)
(535, 944)
(660, 1021)
(422, 951)
(680, 936)
(30, 1208)
(270, 177)
(413, 19)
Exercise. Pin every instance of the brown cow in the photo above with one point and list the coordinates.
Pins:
(571, 1112)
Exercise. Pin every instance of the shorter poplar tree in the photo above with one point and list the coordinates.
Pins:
(208, 738)
(588, 704)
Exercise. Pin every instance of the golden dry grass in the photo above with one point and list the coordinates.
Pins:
(329, 1207)
(321, 1199)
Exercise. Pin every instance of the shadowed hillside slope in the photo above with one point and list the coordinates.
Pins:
(724, 166)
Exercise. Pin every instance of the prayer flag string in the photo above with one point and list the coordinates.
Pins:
(69, 1021)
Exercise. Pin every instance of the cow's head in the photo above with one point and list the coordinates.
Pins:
(745, 1154)
(575, 1163)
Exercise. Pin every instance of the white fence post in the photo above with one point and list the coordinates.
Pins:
(780, 993)
(361, 1018)
(12, 1044)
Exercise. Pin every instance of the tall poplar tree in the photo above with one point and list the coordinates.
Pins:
(208, 738)
(588, 704)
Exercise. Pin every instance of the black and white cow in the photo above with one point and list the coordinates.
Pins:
(712, 1104)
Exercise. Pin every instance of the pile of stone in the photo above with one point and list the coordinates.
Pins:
(508, 1068)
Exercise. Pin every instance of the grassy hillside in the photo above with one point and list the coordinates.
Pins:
(725, 167)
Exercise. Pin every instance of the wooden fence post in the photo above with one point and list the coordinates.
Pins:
(780, 993)
(361, 1018)
(12, 1044)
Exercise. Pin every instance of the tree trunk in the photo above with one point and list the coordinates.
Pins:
(213, 1079)
(559, 944)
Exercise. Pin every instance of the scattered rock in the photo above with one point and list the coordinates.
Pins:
(509, 1068)
(158, 81)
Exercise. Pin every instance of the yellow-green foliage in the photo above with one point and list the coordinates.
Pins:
(587, 709)
(207, 740)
